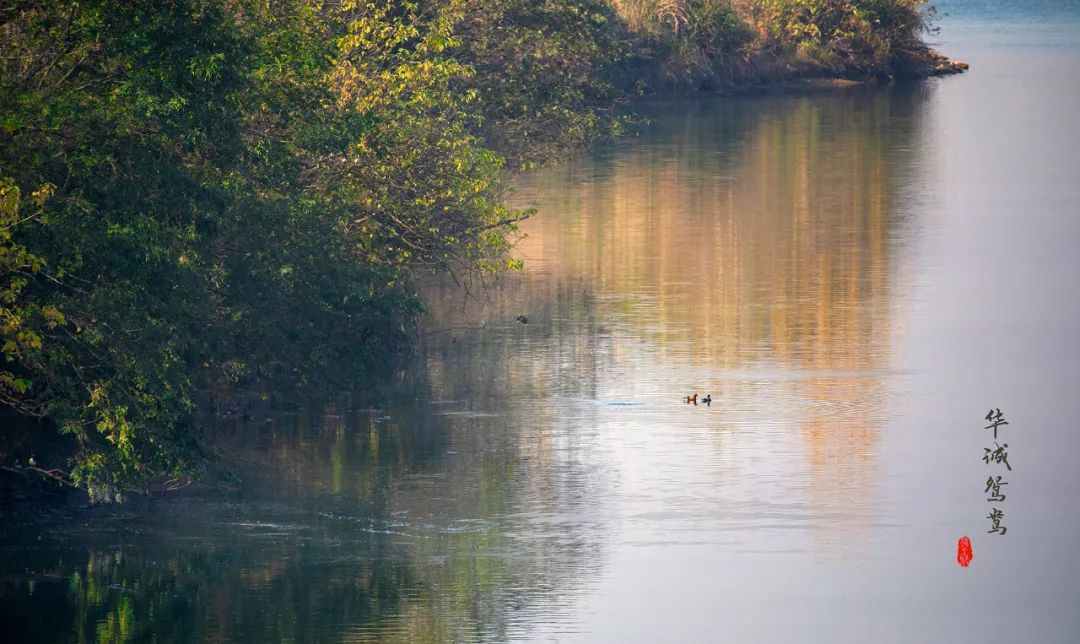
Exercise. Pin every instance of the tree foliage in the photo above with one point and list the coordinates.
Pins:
(206, 195)
(704, 44)
(544, 72)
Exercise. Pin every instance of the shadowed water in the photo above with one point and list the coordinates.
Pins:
(855, 277)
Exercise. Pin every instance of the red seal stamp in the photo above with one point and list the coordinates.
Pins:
(963, 552)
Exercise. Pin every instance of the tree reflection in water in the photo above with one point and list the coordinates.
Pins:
(746, 247)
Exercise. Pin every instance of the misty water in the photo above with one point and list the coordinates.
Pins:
(856, 277)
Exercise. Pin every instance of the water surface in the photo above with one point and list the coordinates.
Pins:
(855, 277)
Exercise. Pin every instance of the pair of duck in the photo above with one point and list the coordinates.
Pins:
(693, 399)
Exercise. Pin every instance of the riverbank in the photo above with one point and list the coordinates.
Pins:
(722, 46)
(777, 76)
(251, 212)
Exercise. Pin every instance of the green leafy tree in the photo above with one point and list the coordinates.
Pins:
(242, 194)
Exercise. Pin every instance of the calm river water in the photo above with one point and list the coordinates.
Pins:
(856, 277)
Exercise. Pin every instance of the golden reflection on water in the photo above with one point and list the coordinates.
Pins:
(774, 247)
(738, 240)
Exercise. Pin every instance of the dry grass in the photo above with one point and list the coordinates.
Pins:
(651, 16)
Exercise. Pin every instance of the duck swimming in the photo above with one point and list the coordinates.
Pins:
(707, 399)
(691, 399)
